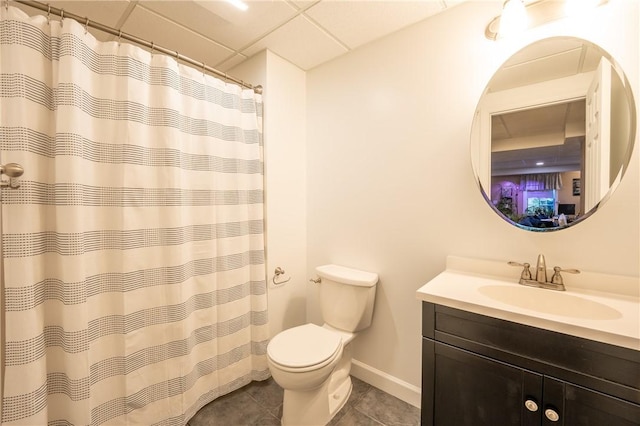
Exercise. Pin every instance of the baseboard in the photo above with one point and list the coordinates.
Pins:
(386, 382)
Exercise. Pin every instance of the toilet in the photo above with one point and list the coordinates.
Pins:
(312, 363)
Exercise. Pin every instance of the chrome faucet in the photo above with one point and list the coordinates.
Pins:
(540, 279)
(541, 269)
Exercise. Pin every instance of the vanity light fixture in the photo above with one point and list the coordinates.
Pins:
(518, 15)
(513, 19)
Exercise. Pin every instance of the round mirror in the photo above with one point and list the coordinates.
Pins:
(553, 133)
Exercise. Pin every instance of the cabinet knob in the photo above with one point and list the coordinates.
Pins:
(531, 405)
(551, 414)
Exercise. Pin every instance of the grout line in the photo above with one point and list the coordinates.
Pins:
(369, 417)
(272, 411)
(326, 32)
(364, 394)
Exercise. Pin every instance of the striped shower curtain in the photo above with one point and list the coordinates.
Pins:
(133, 250)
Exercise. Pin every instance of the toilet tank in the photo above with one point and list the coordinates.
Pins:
(346, 297)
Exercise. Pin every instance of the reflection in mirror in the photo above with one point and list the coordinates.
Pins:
(553, 133)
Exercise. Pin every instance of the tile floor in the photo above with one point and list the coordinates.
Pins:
(260, 403)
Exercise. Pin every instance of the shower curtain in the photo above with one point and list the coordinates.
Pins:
(135, 286)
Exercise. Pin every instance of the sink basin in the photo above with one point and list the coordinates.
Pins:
(599, 307)
(550, 302)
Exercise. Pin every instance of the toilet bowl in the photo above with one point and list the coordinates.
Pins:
(312, 363)
(309, 363)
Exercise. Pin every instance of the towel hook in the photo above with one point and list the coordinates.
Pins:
(279, 271)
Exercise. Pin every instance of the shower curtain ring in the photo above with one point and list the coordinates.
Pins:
(204, 68)
(177, 55)
(152, 47)
(119, 37)
(86, 24)
(61, 17)
(49, 14)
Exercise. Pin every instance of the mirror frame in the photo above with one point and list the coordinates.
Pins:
(481, 130)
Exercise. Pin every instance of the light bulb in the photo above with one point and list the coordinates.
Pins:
(577, 7)
(513, 19)
(238, 4)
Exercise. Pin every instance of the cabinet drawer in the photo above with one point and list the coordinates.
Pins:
(610, 369)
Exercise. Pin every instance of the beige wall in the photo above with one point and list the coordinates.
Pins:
(285, 183)
(390, 187)
(367, 165)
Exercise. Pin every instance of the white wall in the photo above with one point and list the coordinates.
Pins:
(390, 184)
(285, 182)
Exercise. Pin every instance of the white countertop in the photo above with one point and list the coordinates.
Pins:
(612, 318)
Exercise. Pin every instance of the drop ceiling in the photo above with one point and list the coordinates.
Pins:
(562, 125)
(305, 32)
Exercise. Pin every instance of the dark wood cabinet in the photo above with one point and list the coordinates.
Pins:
(479, 370)
(471, 390)
(589, 408)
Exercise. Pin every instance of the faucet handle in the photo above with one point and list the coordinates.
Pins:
(526, 273)
(557, 278)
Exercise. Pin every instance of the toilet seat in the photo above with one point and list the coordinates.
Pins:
(303, 348)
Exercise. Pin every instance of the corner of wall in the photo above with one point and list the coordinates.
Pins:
(284, 94)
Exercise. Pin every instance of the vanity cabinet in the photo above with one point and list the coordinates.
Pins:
(479, 370)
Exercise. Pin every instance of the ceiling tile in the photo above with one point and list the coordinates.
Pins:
(224, 23)
(301, 42)
(104, 12)
(305, 32)
(304, 4)
(537, 70)
(150, 26)
(358, 22)
(231, 62)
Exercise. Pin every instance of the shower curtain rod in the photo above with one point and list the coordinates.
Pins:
(149, 44)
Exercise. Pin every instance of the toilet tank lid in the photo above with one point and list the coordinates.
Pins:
(345, 275)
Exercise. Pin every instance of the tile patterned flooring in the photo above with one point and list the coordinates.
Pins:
(260, 403)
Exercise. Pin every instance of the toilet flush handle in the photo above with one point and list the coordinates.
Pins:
(316, 281)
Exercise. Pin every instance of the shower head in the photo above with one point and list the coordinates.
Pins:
(13, 170)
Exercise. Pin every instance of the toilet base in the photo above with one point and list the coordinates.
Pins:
(317, 407)
(339, 398)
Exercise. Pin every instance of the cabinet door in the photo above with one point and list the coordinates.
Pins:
(470, 390)
(578, 406)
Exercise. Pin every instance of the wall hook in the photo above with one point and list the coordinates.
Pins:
(279, 271)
